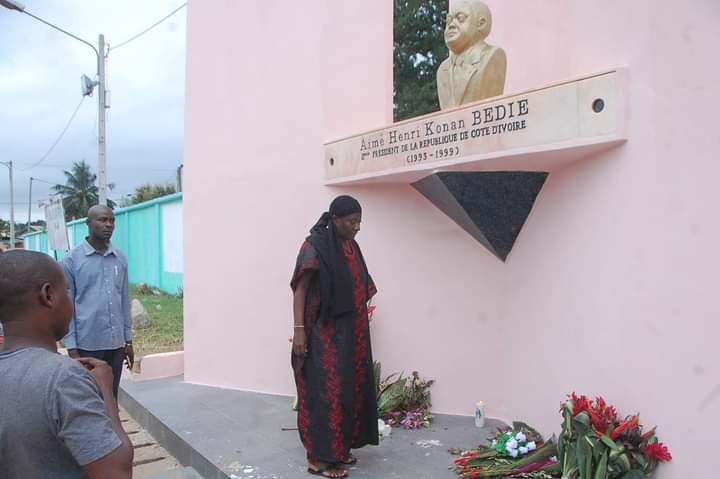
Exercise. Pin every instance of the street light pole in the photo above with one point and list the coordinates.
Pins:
(102, 103)
(9, 164)
(12, 206)
(29, 207)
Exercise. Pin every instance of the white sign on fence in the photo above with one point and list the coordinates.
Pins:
(56, 230)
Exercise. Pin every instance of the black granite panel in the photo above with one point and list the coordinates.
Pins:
(492, 206)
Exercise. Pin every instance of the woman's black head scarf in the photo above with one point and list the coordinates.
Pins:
(341, 206)
(336, 283)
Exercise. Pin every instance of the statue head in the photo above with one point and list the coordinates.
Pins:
(468, 22)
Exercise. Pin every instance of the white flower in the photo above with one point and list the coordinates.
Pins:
(523, 450)
(520, 437)
(494, 443)
(531, 446)
(513, 453)
(512, 444)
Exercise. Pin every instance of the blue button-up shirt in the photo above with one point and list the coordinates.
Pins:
(98, 284)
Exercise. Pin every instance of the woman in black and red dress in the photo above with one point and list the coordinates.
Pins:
(332, 358)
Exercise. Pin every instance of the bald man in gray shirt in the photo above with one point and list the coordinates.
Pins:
(58, 416)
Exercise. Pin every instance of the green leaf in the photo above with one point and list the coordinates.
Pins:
(569, 459)
(584, 456)
(377, 369)
(620, 460)
(609, 442)
(548, 450)
(640, 459)
(582, 422)
(392, 397)
(553, 469)
(389, 381)
(634, 474)
(601, 471)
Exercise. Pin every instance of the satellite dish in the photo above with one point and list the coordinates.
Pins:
(87, 85)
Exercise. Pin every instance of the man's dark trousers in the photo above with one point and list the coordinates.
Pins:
(114, 357)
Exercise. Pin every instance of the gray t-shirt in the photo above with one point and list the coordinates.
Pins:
(52, 417)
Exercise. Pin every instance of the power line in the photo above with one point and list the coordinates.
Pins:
(43, 181)
(60, 137)
(121, 168)
(135, 37)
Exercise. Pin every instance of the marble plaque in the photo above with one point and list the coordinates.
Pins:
(585, 111)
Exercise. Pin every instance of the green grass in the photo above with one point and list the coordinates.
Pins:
(166, 330)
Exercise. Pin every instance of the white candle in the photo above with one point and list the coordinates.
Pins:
(480, 414)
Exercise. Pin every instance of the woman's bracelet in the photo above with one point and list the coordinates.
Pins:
(300, 326)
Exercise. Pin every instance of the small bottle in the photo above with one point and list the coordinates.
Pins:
(480, 414)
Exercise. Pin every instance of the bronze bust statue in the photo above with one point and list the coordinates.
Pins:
(474, 70)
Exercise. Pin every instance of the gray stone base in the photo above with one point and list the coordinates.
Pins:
(225, 434)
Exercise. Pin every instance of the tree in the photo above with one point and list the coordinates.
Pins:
(79, 192)
(419, 48)
(149, 192)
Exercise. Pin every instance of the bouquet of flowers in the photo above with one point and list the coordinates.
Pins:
(519, 452)
(513, 444)
(402, 401)
(597, 444)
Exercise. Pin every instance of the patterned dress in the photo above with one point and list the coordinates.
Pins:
(335, 381)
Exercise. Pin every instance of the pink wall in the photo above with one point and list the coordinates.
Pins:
(611, 288)
(268, 83)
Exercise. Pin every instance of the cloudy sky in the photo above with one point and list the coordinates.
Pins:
(40, 71)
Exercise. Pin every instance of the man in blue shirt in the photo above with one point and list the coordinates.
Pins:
(97, 277)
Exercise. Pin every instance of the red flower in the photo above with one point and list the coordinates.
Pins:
(658, 451)
(605, 410)
(582, 403)
(602, 415)
(648, 434)
(371, 309)
(627, 425)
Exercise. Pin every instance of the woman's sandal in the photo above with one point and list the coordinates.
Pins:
(349, 460)
(328, 471)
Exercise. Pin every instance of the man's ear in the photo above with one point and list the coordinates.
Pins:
(481, 22)
(47, 295)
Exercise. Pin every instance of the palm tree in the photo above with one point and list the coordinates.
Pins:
(79, 192)
(147, 192)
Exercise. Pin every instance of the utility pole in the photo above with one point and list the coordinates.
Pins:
(102, 102)
(9, 164)
(179, 179)
(29, 207)
(12, 206)
(102, 106)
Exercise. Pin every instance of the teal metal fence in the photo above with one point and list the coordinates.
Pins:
(150, 234)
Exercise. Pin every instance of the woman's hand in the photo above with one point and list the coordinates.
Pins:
(299, 342)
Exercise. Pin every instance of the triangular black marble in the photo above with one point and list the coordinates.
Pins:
(490, 205)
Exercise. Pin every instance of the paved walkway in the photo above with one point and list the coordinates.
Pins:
(238, 435)
(151, 460)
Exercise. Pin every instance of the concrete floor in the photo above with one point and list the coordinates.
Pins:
(151, 460)
(235, 434)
